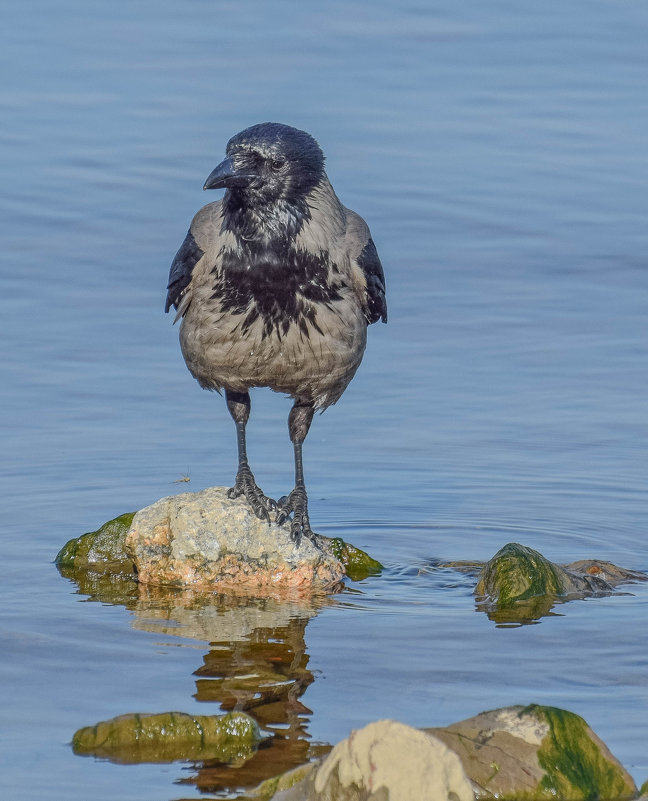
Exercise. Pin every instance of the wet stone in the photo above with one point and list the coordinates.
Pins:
(102, 551)
(207, 539)
(384, 761)
(536, 752)
(208, 542)
(520, 585)
(516, 753)
(170, 737)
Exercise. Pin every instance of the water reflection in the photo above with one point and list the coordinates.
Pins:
(257, 663)
(265, 674)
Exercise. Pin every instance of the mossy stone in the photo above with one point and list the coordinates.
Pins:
(102, 550)
(358, 565)
(517, 573)
(170, 737)
(576, 768)
(286, 781)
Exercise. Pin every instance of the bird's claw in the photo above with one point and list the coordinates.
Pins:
(296, 504)
(247, 486)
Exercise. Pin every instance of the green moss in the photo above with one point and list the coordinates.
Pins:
(517, 573)
(357, 564)
(270, 787)
(575, 767)
(169, 737)
(644, 789)
(101, 550)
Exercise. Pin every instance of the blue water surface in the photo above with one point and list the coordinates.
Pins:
(499, 152)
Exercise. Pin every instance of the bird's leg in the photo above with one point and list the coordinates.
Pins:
(238, 404)
(299, 420)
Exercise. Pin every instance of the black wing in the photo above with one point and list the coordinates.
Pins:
(369, 263)
(181, 269)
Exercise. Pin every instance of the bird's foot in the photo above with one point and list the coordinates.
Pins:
(296, 504)
(246, 485)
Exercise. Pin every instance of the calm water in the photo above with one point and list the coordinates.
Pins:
(500, 154)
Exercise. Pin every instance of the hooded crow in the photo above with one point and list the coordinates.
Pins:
(276, 284)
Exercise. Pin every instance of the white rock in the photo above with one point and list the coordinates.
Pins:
(409, 764)
(208, 541)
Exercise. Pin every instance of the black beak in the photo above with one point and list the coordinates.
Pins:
(225, 177)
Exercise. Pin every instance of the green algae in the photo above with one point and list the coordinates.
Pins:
(170, 737)
(576, 768)
(101, 551)
(358, 565)
(517, 573)
(270, 787)
(520, 585)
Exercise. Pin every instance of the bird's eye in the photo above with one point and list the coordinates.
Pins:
(277, 164)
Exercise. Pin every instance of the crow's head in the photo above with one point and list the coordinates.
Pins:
(268, 163)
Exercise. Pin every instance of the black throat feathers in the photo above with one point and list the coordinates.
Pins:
(265, 276)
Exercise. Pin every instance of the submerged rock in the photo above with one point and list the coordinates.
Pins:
(517, 573)
(170, 737)
(207, 541)
(531, 753)
(519, 584)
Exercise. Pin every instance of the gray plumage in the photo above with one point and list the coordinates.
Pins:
(275, 285)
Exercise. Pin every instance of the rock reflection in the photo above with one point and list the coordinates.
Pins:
(257, 663)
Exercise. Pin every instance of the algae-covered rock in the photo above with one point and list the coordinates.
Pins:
(297, 777)
(519, 584)
(536, 752)
(169, 737)
(101, 551)
(208, 541)
(517, 573)
(577, 764)
(358, 565)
